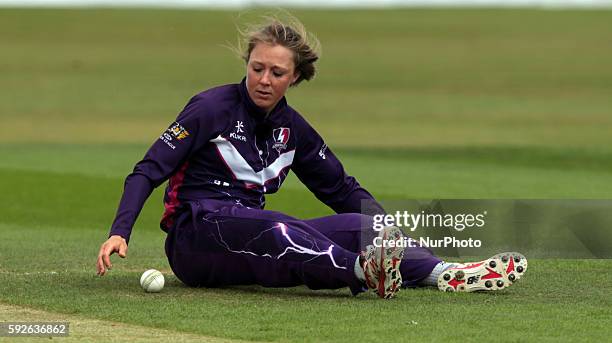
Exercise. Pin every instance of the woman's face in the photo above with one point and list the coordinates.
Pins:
(270, 72)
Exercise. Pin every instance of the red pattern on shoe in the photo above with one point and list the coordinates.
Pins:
(381, 266)
(515, 264)
(498, 272)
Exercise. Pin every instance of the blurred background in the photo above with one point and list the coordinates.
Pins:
(509, 100)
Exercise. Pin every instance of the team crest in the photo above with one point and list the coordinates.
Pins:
(281, 137)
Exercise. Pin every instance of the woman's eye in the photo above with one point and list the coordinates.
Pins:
(278, 74)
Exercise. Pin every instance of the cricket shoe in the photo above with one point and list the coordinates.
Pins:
(487, 275)
(515, 264)
(381, 264)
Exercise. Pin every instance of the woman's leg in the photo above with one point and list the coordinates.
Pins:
(353, 232)
(235, 245)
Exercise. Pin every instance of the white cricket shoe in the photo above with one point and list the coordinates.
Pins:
(381, 264)
(495, 273)
(514, 263)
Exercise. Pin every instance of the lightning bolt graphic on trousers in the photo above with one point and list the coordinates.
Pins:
(292, 247)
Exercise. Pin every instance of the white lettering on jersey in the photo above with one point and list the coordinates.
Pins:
(238, 137)
(322, 151)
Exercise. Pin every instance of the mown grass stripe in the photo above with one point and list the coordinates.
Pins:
(83, 329)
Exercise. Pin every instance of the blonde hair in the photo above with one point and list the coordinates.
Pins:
(289, 33)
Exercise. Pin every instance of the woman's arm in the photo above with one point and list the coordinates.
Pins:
(323, 174)
(162, 160)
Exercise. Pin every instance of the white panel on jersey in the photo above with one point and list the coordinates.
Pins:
(243, 170)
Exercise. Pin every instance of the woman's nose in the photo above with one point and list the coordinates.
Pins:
(265, 78)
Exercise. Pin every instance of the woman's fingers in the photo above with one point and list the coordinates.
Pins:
(122, 250)
(104, 258)
(108, 250)
(100, 263)
(99, 268)
(114, 244)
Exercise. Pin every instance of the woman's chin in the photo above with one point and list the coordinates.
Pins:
(264, 105)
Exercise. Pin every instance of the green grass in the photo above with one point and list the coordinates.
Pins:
(557, 300)
(424, 77)
(56, 220)
(450, 103)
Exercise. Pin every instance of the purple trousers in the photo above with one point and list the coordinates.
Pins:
(215, 243)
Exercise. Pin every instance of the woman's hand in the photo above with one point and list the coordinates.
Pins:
(115, 244)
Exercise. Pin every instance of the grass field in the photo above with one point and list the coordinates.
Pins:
(452, 103)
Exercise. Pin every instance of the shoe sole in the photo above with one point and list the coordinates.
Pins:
(389, 259)
(515, 264)
(488, 275)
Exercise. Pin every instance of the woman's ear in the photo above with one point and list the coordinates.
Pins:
(296, 76)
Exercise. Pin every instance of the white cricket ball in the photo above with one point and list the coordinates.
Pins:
(152, 281)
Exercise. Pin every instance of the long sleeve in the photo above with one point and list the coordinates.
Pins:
(323, 174)
(161, 161)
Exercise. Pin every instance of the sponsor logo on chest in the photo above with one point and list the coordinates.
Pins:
(239, 129)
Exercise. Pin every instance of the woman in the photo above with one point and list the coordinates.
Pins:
(231, 145)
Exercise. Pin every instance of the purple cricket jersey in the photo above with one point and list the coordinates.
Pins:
(222, 146)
